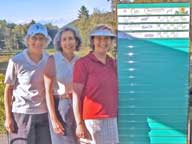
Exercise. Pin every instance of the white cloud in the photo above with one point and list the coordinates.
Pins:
(55, 21)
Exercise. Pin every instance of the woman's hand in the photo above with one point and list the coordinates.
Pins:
(58, 127)
(82, 132)
(9, 125)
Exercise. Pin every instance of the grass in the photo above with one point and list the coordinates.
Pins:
(3, 66)
(50, 50)
(2, 129)
(3, 62)
(4, 58)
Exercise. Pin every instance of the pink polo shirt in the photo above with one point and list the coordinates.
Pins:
(100, 93)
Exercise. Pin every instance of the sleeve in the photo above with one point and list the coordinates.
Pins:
(80, 73)
(10, 75)
(50, 68)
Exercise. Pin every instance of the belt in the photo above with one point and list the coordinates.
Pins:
(66, 96)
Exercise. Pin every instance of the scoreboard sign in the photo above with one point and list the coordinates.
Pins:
(153, 72)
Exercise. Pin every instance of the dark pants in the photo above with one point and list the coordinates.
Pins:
(30, 129)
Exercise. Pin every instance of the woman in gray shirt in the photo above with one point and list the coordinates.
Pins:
(26, 117)
(58, 83)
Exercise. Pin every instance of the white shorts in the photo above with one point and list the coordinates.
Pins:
(103, 131)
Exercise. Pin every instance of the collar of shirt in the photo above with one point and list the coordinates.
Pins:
(30, 60)
(62, 57)
(109, 60)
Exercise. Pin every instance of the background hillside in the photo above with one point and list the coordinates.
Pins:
(11, 41)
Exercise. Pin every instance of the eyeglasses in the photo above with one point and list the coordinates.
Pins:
(38, 38)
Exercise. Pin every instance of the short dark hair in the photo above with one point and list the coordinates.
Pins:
(57, 39)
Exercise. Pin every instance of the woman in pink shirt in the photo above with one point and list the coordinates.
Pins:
(95, 88)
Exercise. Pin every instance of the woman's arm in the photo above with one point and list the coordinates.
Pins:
(8, 92)
(77, 91)
(81, 130)
(49, 76)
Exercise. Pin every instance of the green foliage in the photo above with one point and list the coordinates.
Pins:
(11, 35)
(2, 129)
(83, 13)
(86, 25)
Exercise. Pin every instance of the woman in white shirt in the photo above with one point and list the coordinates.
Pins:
(26, 116)
(58, 82)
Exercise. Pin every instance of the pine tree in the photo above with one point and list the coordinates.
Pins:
(83, 13)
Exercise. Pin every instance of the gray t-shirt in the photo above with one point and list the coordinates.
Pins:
(27, 79)
(64, 74)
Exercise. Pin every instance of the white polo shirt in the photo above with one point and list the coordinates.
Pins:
(27, 78)
(64, 74)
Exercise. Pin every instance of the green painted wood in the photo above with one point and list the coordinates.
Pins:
(153, 89)
(156, 89)
(153, 85)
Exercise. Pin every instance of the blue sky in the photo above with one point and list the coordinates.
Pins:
(58, 12)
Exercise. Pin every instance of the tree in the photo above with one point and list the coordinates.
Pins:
(11, 25)
(86, 25)
(83, 13)
(32, 22)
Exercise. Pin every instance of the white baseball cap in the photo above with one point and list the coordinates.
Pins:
(37, 29)
(102, 31)
(34, 29)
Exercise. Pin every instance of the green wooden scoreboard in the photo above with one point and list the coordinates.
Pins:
(153, 72)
